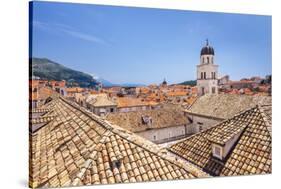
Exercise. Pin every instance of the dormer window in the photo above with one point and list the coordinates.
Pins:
(147, 120)
(217, 151)
(224, 141)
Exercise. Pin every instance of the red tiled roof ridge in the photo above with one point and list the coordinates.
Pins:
(265, 118)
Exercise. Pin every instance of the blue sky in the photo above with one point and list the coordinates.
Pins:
(140, 45)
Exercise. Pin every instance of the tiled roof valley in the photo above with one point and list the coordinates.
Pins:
(77, 148)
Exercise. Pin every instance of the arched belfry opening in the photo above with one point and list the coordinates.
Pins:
(207, 71)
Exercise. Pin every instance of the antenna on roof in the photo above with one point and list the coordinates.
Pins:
(207, 42)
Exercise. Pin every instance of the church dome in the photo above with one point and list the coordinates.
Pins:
(207, 50)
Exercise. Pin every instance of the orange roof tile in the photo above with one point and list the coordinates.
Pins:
(177, 93)
(74, 90)
(130, 102)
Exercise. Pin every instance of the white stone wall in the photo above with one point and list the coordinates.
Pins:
(196, 125)
(164, 134)
(101, 111)
(204, 59)
(208, 82)
(229, 144)
(134, 108)
(208, 68)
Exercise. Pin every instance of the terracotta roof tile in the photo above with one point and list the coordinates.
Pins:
(130, 102)
(225, 105)
(249, 155)
(99, 100)
(79, 148)
(161, 118)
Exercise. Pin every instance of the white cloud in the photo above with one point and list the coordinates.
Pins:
(55, 28)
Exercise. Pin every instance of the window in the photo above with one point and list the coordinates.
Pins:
(154, 137)
(208, 60)
(111, 109)
(213, 90)
(204, 75)
(217, 151)
(201, 75)
(146, 120)
(213, 75)
(200, 126)
(203, 90)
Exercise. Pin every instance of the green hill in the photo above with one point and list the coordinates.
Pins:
(50, 70)
(191, 83)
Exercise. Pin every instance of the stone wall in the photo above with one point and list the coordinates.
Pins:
(165, 134)
(133, 108)
(200, 123)
(101, 111)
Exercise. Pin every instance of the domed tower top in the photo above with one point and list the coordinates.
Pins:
(164, 82)
(207, 50)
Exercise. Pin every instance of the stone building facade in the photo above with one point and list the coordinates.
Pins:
(100, 104)
(167, 134)
(200, 122)
(207, 72)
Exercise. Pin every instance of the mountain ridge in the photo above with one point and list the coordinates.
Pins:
(45, 68)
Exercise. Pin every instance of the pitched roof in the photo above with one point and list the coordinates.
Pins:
(123, 102)
(161, 118)
(177, 93)
(251, 154)
(74, 90)
(99, 100)
(77, 148)
(42, 94)
(224, 106)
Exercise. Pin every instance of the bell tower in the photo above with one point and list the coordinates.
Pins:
(207, 72)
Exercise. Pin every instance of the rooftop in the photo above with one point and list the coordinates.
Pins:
(77, 147)
(161, 118)
(99, 100)
(123, 102)
(224, 106)
(177, 93)
(251, 154)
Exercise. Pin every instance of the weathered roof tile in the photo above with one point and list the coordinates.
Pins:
(78, 148)
(248, 155)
